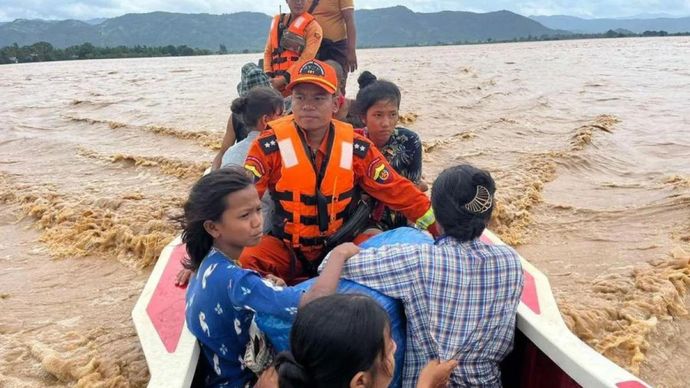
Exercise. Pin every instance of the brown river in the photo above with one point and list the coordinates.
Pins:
(589, 142)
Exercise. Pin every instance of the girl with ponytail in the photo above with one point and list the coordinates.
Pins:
(256, 109)
(236, 130)
(260, 105)
(222, 216)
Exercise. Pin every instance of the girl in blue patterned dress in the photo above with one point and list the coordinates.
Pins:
(222, 216)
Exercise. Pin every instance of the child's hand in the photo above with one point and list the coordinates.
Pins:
(422, 186)
(268, 379)
(276, 280)
(278, 83)
(436, 374)
(345, 250)
(182, 277)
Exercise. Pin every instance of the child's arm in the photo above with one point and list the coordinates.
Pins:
(327, 282)
(248, 290)
(228, 140)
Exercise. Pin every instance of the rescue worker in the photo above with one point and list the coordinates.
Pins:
(293, 37)
(312, 165)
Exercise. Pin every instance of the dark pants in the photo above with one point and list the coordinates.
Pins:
(336, 51)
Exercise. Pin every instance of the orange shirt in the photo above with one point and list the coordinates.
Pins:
(329, 15)
(372, 173)
(313, 35)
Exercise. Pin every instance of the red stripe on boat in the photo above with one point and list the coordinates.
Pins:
(529, 293)
(166, 307)
(631, 384)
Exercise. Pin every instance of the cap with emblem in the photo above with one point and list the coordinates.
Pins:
(314, 72)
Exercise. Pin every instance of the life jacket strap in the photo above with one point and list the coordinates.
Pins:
(304, 241)
(309, 200)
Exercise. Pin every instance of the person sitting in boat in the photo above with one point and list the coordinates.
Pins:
(460, 294)
(236, 130)
(344, 112)
(377, 105)
(293, 37)
(312, 165)
(322, 354)
(256, 109)
(222, 216)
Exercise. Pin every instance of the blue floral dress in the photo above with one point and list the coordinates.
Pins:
(221, 301)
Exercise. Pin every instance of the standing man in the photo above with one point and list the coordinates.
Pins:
(293, 37)
(337, 18)
(311, 165)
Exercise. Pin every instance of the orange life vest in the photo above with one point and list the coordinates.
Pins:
(287, 44)
(311, 205)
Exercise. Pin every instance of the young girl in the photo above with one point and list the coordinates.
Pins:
(222, 216)
(256, 108)
(377, 105)
(259, 106)
(236, 130)
(324, 354)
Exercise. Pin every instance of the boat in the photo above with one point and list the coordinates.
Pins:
(546, 352)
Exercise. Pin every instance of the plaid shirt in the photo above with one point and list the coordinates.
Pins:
(457, 296)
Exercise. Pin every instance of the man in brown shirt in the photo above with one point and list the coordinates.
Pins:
(337, 19)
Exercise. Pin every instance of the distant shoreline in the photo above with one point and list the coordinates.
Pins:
(45, 52)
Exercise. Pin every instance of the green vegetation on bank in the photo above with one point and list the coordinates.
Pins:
(43, 51)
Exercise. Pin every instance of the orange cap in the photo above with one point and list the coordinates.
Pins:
(314, 72)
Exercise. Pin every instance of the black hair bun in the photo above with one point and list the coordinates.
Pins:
(483, 178)
(239, 105)
(365, 79)
(290, 373)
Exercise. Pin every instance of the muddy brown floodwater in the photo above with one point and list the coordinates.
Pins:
(589, 142)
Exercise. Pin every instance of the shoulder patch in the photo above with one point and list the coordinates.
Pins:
(360, 148)
(269, 144)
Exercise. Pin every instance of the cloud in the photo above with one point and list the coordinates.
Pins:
(89, 9)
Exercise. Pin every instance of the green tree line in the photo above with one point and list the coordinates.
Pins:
(44, 51)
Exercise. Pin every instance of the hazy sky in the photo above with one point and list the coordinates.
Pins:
(89, 9)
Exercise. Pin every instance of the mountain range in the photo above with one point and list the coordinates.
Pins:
(597, 26)
(394, 26)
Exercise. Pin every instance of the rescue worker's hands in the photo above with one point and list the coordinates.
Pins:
(435, 229)
(182, 277)
(436, 374)
(345, 251)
